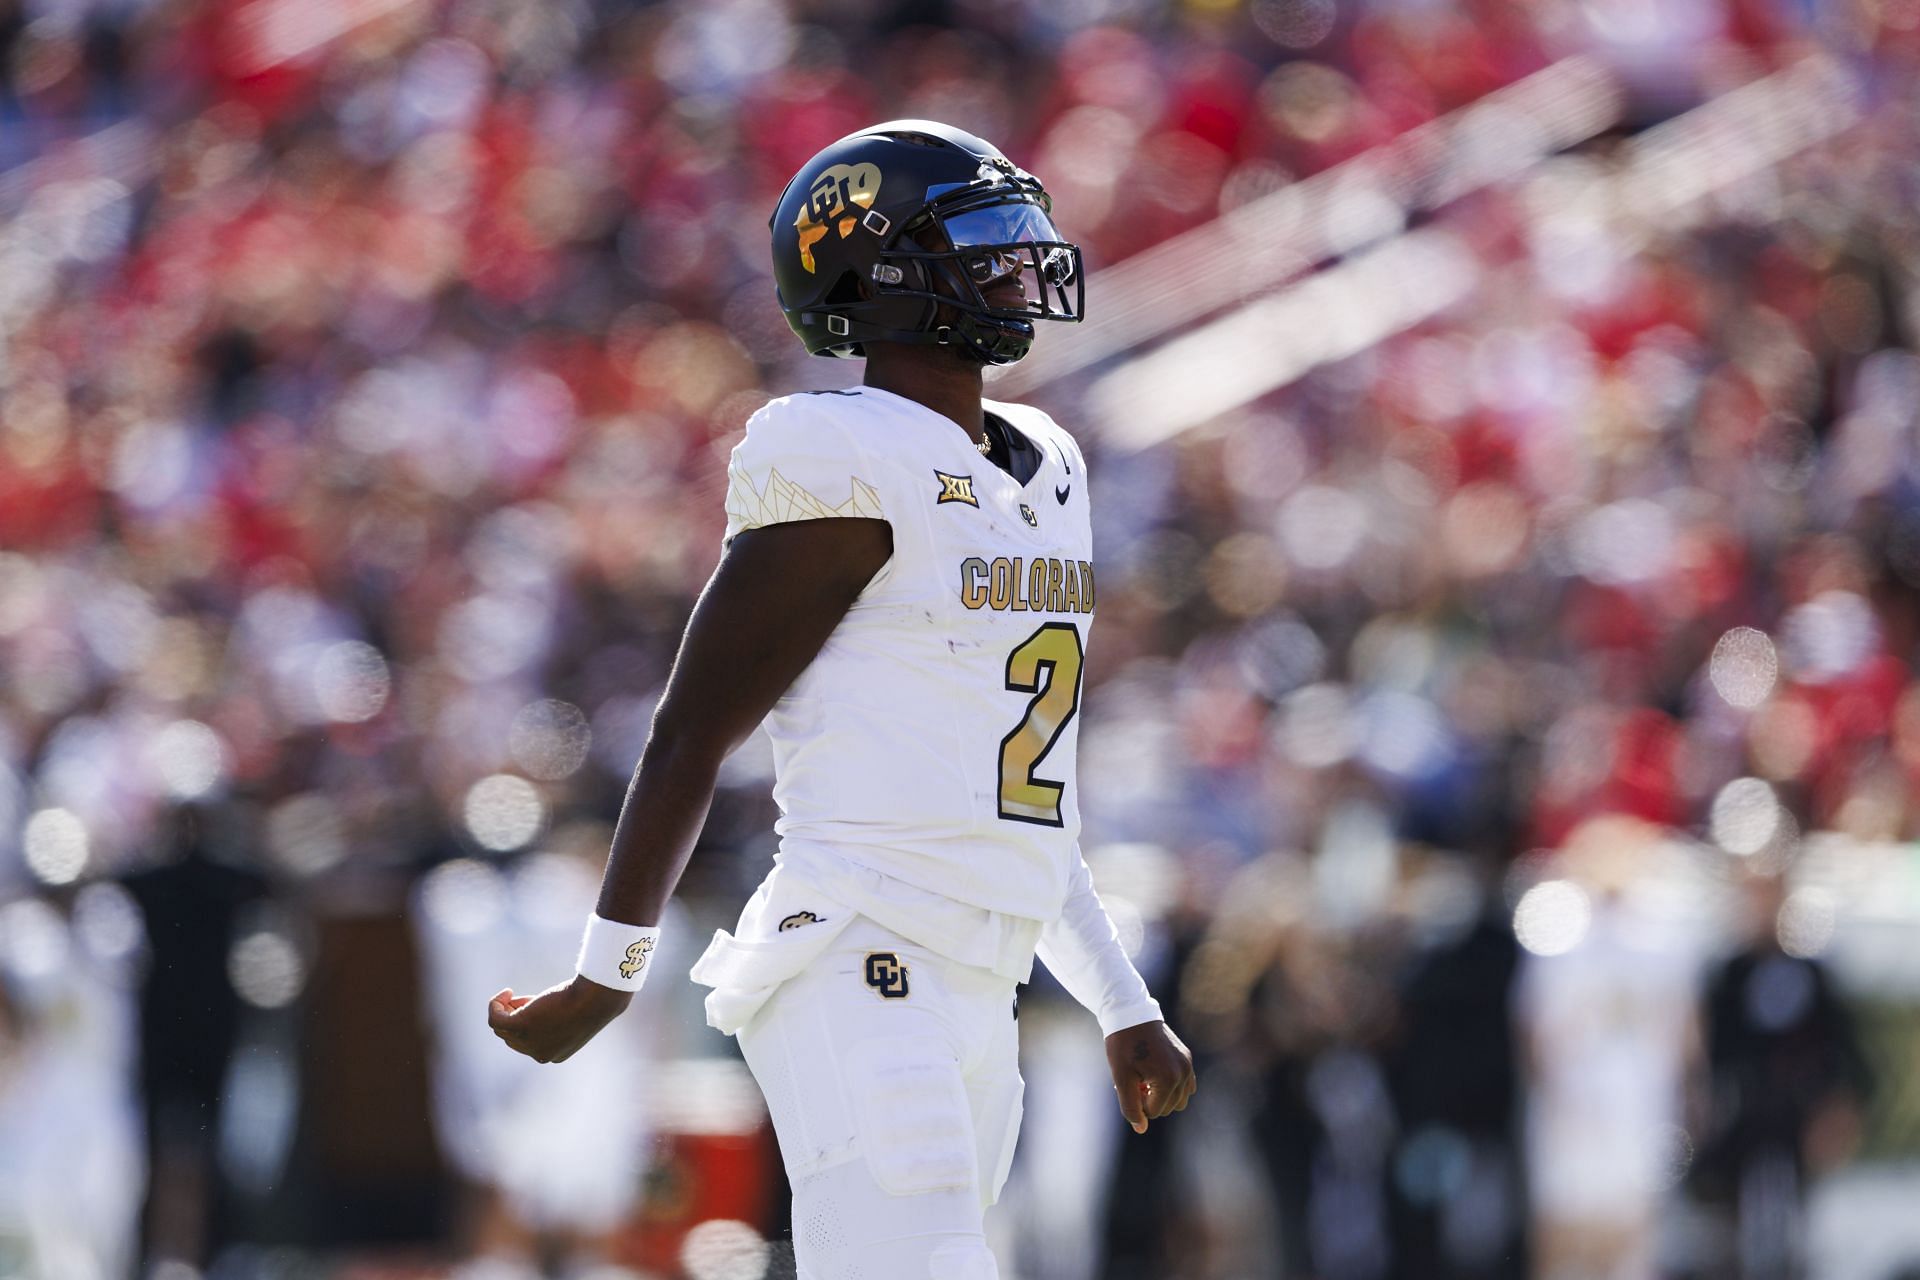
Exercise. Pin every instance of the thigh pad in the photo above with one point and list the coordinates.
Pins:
(910, 1108)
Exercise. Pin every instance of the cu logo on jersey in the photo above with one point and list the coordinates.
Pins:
(834, 200)
(887, 974)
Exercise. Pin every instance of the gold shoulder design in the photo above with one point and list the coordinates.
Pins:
(781, 501)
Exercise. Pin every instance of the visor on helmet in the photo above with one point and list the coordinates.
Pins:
(1012, 223)
(1013, 240)
(1008, 228)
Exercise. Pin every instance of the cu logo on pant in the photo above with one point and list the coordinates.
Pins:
(887, 974)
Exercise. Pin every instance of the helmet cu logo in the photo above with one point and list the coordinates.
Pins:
(832, 200)
(887, 974)
(636, 958)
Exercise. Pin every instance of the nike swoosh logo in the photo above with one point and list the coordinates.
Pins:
(1060, 495)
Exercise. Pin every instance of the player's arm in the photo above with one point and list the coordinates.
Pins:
(1152, 1070)
(775, 597)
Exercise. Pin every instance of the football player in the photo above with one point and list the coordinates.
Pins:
(903, 600)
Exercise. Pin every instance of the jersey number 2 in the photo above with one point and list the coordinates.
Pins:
(1047, 665)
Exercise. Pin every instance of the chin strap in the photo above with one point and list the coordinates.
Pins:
(993, 341)
(978, 338)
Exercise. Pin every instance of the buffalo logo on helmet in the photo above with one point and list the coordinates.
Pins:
(833, 201)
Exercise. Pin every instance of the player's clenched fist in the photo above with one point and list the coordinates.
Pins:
(552, 1026)
(1152, 1072)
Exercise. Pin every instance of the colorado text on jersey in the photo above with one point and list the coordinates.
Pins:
(1047, 584)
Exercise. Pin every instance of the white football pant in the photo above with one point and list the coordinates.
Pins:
(893, 1080)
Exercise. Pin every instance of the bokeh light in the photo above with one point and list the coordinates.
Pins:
(1624, 542)
(54, 844)
(1246, 574)
(1319, 726)
(550, 739)
(152, 463)
(1294, 24)
(503, 812)
(1744, 667)
(190, 759)
(1321, 527)
(1829, 636)
(723, 1249)
(307, 833)
(464, 896)
(266, 969)
(1552, 917)
(107, 921)
(1746, 816)
(490, 637)
(33, 938)
(1806, 922)
(351, 681)
(1406, 735)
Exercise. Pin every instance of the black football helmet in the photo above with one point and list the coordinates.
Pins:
(912, 231)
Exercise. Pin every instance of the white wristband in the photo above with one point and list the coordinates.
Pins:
(614, 954)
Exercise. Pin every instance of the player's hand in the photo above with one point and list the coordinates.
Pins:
(551, 1026)
(1152, 1072)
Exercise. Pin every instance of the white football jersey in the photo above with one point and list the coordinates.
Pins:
(933, 738)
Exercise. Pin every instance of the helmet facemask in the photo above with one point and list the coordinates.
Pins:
(995, 260)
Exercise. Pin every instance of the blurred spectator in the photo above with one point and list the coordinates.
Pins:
(1609, 1038)
(1155, 1213)
(190, 1013)
(1784, 1077)
(72, 1165)
(559, 1158)
(1457, 1184)
(1308, 1010)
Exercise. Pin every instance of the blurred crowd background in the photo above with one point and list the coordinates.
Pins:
(1502, 748)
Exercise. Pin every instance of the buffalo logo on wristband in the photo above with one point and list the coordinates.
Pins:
(636, 958)
(887, 974)
(797, 919)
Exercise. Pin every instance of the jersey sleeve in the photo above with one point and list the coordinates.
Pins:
(1083, 951)
(798, 463)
